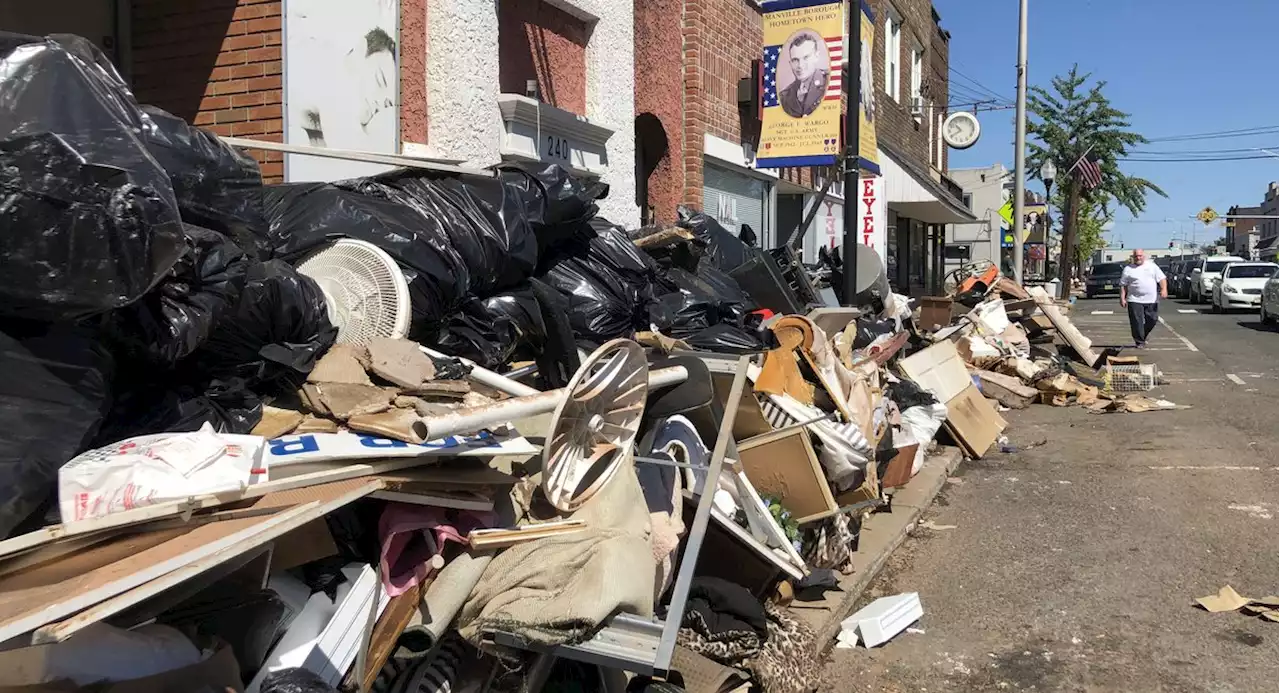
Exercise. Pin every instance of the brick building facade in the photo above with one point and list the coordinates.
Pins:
(708, 131)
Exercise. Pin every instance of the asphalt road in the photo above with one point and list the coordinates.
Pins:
(1072, 564)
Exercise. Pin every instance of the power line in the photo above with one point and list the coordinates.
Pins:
(1219, 158)
(1180, 152)
(1219, 134)
(980, 85)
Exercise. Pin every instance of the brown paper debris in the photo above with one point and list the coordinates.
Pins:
(343, 363)
(401, 362)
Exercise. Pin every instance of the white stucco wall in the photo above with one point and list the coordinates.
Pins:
(463, 120)
(462, 80)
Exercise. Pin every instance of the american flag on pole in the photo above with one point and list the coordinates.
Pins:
(835, 54)
(1089, 173)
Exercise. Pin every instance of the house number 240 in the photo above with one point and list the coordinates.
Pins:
(557, 148)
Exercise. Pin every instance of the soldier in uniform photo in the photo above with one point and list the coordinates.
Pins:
(807, 56)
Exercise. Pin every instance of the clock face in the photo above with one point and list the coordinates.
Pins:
(960, 130)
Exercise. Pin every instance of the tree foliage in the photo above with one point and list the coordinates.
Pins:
(1071, 121)
(1074, 121)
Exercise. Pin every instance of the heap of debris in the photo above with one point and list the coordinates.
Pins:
(569, 446)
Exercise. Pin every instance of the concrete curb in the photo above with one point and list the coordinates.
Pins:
(882, 533)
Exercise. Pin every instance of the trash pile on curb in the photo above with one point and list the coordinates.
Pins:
(427, 431)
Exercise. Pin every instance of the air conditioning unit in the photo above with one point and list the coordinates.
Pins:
(917, 105)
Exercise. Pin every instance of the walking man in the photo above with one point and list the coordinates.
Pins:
(1142, 285)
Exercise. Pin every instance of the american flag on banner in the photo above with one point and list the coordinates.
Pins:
(835, 55)
(1089, 172)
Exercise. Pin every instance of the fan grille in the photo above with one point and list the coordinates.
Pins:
(366, 292)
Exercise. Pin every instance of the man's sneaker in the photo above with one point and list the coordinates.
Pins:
(1140, 345)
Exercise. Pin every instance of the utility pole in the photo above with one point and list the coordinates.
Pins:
(852, 119)
(1020, 144)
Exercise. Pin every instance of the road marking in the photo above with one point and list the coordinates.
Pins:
(1186, 311)
(1235, 379)
(1187, 342)
(1209, 468)
(1191, 380)
(1103, 312)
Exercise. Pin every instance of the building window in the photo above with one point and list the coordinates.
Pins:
(892, 54)
(917, 70)
(968, 201)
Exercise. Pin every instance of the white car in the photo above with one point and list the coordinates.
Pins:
(1270, 307)
(1240, 285)
(1205, 272)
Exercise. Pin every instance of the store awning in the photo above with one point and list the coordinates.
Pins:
(912, 192)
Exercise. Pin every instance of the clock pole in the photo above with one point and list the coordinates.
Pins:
(1020, 145)
(852, 119)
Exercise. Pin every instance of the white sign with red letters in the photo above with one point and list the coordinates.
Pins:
(872, 210)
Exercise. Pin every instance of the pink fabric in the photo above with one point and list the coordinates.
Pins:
(412, 534)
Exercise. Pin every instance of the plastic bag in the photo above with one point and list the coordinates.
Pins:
(922, 423)
(216, 186)
(54, 395)
(90, 219)
(304, 216)
(278, 329)
(143, 408)
(723, 248)
(480, 218)
(556, 203)
(608, 283)
(153, 469)
(176, 319)
(726, 339)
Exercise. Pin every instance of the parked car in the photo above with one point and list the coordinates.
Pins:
(1203, 274)
(1241, 284)
(1270, 304)
(1103, 279)
(1179, 276)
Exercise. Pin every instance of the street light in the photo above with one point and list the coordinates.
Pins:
(1047, 173)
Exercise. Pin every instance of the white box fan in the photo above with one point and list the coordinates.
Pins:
(364, 290)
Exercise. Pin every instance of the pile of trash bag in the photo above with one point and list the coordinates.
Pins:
(136, 295)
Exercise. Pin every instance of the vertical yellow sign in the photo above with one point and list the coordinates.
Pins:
(802, 85)
(868, 158)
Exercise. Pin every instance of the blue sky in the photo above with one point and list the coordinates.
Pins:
(1178, 67)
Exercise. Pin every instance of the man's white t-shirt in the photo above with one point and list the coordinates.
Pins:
(1142, 282)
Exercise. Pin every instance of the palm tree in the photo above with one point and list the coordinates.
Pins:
(1074, 122)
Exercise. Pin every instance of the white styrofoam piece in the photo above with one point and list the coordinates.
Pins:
(884, 618)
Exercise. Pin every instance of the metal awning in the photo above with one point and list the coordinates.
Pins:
(914, 193)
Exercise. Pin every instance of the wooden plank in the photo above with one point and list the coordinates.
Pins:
(489, 539)
(938, 369)
(32, 599)
(386, 634)
(973, 421)
(784, 464)
(329, 473)
(458, 500)
(1007, 390)
(1061, 323)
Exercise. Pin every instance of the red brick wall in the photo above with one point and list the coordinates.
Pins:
(659, 94)
(216, 63)
(539, 41)
(413, 71)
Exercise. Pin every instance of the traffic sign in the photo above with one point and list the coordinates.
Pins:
(1207, 215)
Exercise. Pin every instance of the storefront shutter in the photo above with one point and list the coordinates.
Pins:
(735, 199)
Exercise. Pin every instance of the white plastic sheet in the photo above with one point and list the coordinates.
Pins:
(153, 469)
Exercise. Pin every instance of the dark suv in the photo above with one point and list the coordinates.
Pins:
(1104, 279)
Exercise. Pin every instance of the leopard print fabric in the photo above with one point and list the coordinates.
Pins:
(784, 663)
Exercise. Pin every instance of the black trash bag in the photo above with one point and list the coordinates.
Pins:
(450, 368)
(216, 185)
(725, 251)
(726, 339)
(870, 328)
(90, 220)
(556, 203)
(295, 681)
(304, 216)
(490, 331)
(278, 329)
(54, 395)
(707, 298)
(481, 218)
(161, 407)
(907, 394)
(607, 281)
(176, 318)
